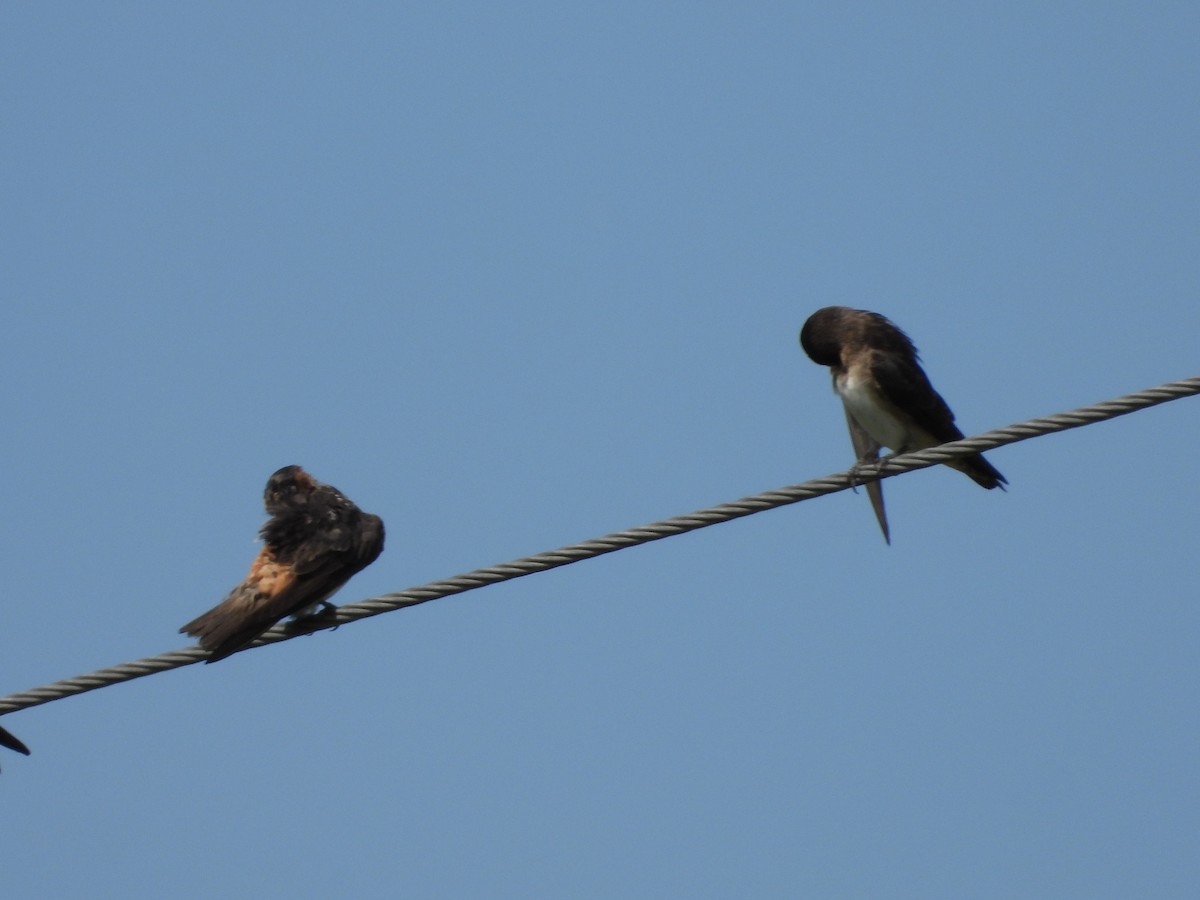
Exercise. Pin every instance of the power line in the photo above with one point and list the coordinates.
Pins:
(609, 543)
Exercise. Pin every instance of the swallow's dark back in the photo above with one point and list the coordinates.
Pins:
(309, 526)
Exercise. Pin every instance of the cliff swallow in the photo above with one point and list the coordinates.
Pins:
(315, 540)
(887, 396)
(10, 740)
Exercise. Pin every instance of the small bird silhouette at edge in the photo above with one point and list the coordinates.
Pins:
(12, 742)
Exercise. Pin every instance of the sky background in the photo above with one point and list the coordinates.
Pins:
(517, 275)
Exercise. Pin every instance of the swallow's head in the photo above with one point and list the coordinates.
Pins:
(287, 487)
(823, 334)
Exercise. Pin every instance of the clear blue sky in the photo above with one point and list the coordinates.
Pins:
(516, 275)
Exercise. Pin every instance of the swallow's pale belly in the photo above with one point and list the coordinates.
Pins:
(863, 402)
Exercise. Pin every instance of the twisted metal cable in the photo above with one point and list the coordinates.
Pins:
(609, 543)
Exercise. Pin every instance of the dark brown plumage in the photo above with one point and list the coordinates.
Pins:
(314, 542)
(887, 396)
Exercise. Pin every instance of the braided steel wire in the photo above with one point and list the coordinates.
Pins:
(609, 543)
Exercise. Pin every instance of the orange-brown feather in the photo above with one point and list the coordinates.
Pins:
(268, 576)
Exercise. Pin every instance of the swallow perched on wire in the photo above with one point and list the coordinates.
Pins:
(315, 540)
(10, 740)
(887, 396)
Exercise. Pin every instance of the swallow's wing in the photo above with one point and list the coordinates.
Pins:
(276, 589)
(272, 591)
(866, 449)
(318, 569)
(904, 384)
(247, 611)
(12, 742)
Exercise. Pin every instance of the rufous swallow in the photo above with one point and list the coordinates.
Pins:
(9, 740)
(315, 540)
(887, 396)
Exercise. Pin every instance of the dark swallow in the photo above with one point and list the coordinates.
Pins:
(887, 396)
(10, 740)
(314, 542)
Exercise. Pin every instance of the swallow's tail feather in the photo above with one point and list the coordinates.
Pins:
(866, 448)
(230, 625)
(979, 470)
(875, 493)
